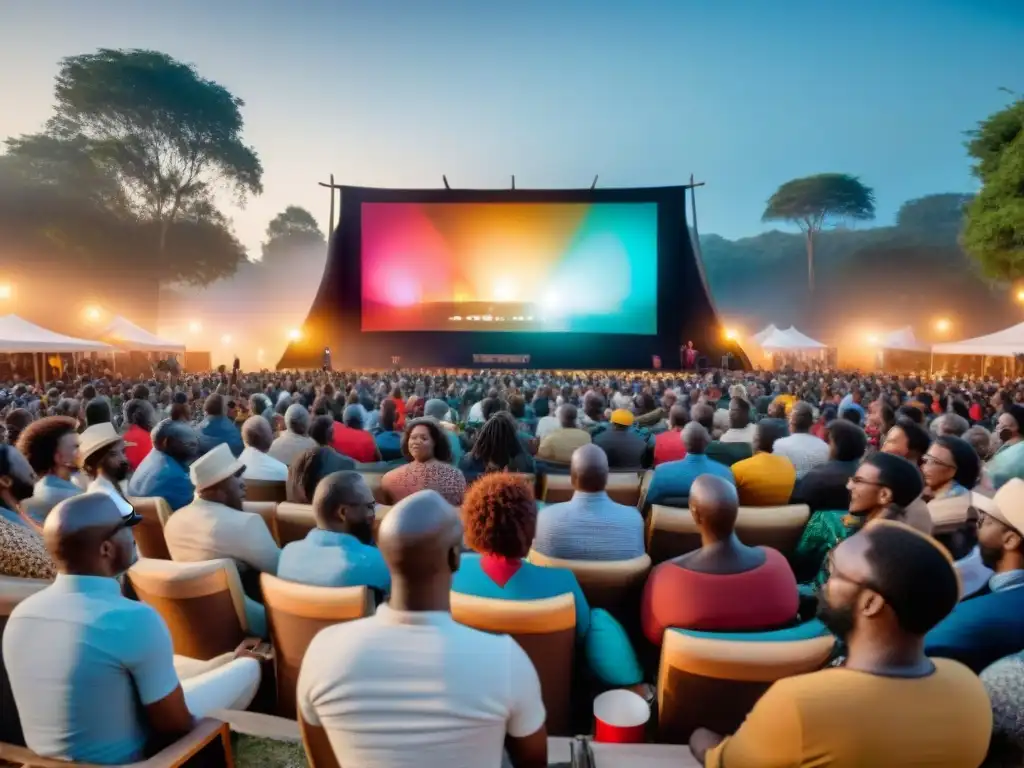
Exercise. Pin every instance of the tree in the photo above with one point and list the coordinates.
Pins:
(934, 212)
(172, 137)
(813, 201)
(291, 230)
(994, 231)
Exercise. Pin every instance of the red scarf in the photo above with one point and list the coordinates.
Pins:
(500, 569)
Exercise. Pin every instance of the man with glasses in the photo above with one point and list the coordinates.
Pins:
(990, 625)
(890, 704)
(888, 486)
(92, 672)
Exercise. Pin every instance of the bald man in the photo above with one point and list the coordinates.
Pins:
(444, 694)
(723, 586)
(672, 480)
(258, 436)
(164, 471)
(590, 526)
(80, 636)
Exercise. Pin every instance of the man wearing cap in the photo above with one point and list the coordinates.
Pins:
(101, 456)
(214, 525)
(625, 447)
(990, 625)
(93, 673)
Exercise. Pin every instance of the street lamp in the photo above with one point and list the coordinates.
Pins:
(6, 291)
(942, 325)
(92, 314)
(294, 334)
(195, 327)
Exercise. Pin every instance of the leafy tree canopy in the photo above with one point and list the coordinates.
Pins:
(292, 229)
(813, 200)
(934, 212)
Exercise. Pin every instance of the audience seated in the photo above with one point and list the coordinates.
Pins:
(500, 517)
(219, 428)
(352, 440)
(51, 447)
(440, 411)
(990, 625)
(101, 453)
(590, 526)
(908, 440)
(1004, 683)
(497, 448)
(309, 468)
(214, 525)
(889, 705)
(1008, 460)
(625, 447)
(672, 480)
(951, 468)
(164, 471)
(295, 439)
(427, 448)
(724, 586)
(741, 430)
(140, 417)
(339, 552)
(825, 486)
(22, 554)
(443, 690)
(17, 484)
(559, 444)
(668, 445)
(93, 673)
(804, 450)
(765, 480)
(387, 437)
(258, 437)
(723, 451)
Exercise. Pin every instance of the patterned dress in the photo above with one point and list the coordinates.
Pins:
(1004, 682)
(430, 475)
(22, 553)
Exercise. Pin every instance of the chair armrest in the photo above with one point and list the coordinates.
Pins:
(178, 753)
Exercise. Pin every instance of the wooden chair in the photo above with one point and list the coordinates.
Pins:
(295, 613)
(545, 629)
(623, 488)
(614, 585)
(202, 603)
(713, 679)
(268, 511)
(265, 490)
(671, 531)
(293, 522)
(12, 591)
(206, 732)
(149, 534)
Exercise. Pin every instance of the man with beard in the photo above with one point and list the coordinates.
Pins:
(990, 625)
(92, 672)
(101, 456)
(22, 554)
(339, 552)
(890, 705)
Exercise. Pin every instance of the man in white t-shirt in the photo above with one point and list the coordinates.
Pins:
(411, 687)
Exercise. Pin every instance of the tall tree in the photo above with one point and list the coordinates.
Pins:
(172, 137)
(291, 230)
(814, 201)
(994, 231)
(934, 212)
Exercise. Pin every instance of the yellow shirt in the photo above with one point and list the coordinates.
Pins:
(846, 719)
(764, 480)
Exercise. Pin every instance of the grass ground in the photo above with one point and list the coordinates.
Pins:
(254, 752)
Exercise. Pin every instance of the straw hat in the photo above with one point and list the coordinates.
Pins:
(1008, 505)
(214, 467)
(96, 438)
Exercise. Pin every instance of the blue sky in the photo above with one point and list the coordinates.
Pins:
(746, 94)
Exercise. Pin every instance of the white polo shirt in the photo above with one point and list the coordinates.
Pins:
(402, 689)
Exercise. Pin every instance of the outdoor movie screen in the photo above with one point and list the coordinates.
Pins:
(526, 267)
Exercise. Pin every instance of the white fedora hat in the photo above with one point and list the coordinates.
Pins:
(214, 467)
(95, 438)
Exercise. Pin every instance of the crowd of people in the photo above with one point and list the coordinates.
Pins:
(912, 555)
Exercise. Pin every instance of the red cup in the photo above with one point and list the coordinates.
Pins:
(620, 717)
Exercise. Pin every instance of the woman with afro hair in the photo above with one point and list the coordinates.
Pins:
(499, 514)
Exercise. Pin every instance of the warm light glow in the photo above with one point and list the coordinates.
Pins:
(195, 327)
(92, 314)
(1020, 295)
(5, 291)
(505, 289)
(294, 334)
(731, 334)
(871, 339)
(942, 325)
(225, 339)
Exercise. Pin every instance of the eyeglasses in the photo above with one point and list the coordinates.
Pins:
(858, 480)
(929, 459)
(835, 573)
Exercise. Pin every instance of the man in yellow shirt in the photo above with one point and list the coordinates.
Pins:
(765, 480)
(890, 705)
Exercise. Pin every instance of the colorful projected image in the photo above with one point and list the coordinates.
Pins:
(527, 267)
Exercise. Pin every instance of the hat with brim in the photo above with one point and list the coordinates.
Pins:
(1008, 505)
(215, 467)
(96, 438)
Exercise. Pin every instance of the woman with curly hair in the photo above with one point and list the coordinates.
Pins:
(51, 447)
(497, 449)
(429, 454)
(499, 514)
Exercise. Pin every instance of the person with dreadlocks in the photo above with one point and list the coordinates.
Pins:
(497, 449)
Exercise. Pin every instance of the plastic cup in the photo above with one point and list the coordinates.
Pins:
(620, 717)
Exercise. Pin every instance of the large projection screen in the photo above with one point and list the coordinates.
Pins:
(537, 267)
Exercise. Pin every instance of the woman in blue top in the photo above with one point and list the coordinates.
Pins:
(500, 516)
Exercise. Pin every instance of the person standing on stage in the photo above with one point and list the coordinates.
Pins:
(688, 356)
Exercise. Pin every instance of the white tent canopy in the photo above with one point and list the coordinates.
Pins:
(757, 338)
(129, 337)
(790, 340)
(1005, 343)
(803, 340)
(903, 340)
(17, 335)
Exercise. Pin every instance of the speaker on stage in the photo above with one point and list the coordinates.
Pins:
(656, 362)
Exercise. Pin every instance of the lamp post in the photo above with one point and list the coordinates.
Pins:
(942, 326)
